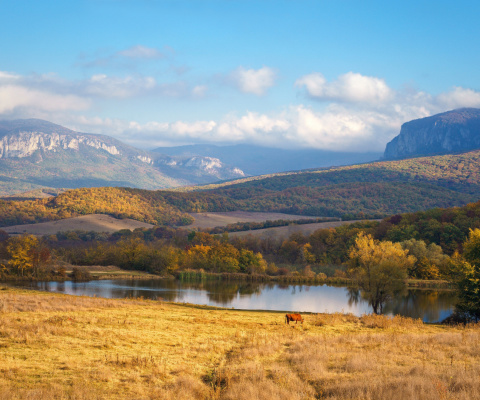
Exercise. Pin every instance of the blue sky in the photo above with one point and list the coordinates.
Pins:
(337, 75)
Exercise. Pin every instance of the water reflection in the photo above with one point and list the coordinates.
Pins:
(429, 305)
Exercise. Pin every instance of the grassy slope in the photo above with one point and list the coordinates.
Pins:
(57, 346)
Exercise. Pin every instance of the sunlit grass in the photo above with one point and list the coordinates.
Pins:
(54, 346)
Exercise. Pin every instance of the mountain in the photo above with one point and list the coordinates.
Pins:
(37, 154)
(450, 132)
(258, 160)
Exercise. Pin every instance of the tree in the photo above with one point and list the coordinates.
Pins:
(468, 278)
(471, 247)
(469, 292)
(379, 269)
(27, 254)
(430, 259)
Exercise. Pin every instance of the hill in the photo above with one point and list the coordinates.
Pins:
(372, 190)
(37, 154)
(87, 223)
(450, 132)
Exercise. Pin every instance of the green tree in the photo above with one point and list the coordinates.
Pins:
(469, 292)
(430, 259)
(468, 283)
(379, 269)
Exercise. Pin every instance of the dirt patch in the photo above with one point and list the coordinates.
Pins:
(214, 219)
(93, 222)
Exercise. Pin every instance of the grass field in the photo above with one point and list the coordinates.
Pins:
(63, 347)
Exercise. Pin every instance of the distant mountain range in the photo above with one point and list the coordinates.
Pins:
(450, 132)
(37, 154)
(258, 160)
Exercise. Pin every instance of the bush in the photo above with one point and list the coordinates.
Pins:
(80, 274)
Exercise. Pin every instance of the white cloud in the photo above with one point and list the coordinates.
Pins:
(14, 97)
(253, 81)
(8, 77)
(350, 87)
(118, 87)
(363, 112)
(459, 97)
(192, 129)
(140, 51)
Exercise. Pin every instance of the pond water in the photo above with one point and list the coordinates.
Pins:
(429, 305)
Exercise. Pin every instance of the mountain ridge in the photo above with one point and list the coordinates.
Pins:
(36, 154)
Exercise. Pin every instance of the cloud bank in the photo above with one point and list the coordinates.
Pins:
(350, 113)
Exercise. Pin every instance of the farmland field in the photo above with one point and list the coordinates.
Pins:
(214, 219)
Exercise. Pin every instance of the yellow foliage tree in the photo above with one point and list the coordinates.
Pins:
(22, 250)
(379, 269)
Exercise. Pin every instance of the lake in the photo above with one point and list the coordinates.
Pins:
(429, 305)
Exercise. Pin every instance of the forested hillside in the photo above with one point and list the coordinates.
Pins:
(142, 205)
(372, 190)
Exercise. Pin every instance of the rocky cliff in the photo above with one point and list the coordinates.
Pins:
(450, 132)
(36, 153)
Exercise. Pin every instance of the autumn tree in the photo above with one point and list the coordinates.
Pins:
(379, 269)
(468, 283)
(252, 263)
(27, 254)
(430, 259)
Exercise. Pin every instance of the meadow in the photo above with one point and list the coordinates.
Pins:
(55, 346)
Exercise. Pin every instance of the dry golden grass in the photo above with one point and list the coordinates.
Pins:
(61, 347)
(214, 219)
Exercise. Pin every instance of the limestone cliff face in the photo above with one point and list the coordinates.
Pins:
(450, 132)
(210, 165)
(36, 153)
(24, 143)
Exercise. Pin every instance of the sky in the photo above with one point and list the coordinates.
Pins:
(339, 75)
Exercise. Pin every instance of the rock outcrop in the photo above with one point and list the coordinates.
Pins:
(450, 132)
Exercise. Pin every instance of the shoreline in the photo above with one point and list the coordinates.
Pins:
(193, 276)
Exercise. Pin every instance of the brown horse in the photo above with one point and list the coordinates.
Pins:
(293, 317)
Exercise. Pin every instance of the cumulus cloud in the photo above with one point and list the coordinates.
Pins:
(338, 127)
(363, 113)
(255, 81)
(350, 87)
(15, 97)
(459, 97)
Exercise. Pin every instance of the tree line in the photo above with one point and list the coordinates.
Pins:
(377, 256)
